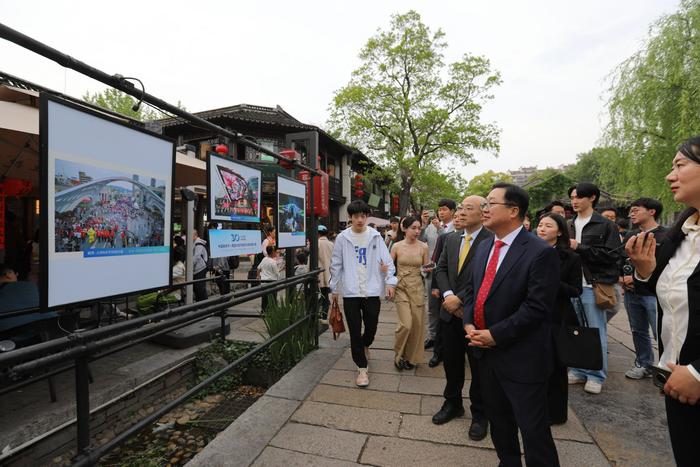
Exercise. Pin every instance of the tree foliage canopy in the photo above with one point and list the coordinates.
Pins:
(481, 184)
(120, 102)
(410, 111)
(654, 105)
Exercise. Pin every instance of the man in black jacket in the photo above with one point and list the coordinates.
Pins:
(597, 242)
(451, 274)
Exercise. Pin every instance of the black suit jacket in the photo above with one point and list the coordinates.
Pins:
(446, 273)
(690, 350)
(518, 308)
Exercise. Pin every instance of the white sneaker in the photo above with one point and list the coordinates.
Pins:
(638, 373)
(575, 379)
(362, 378)
(593, 387)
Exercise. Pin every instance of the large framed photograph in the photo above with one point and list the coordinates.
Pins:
(233, 190)
(107, 191)
(291, 213)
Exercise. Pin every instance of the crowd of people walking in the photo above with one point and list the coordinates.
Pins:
(473, 282)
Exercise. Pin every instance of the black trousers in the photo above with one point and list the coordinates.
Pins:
(200, 288)
(357, 311)
(684, 428)
(511, 405)
(435, 303)
(454, 346)
(558, 386)
(223, 283)
(325, 302)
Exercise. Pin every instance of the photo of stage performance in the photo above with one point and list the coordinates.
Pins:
(235, 190)
(290, 213)
(97, 208)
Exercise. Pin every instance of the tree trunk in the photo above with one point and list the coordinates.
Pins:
(404, 196)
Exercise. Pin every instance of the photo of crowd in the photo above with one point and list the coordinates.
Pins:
(99, 208)
(291, 213)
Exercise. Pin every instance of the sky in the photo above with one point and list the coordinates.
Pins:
(555, 57)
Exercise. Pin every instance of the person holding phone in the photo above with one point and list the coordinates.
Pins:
(411, 256)
(672, 272)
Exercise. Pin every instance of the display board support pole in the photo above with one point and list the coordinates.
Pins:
(188, 208)
(82, 402)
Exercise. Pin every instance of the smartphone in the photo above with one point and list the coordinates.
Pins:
(659, 376)
(428, 267)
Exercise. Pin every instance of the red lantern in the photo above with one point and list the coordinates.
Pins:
(359, 193)
(320, 201)
(395, 205)
(221, 149)
(291, 155)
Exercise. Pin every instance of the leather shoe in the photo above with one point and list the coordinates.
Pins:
(434, 361)
(478, 430)
(447, 413)
(429, 344)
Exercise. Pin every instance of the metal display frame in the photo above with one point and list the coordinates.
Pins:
(277, 213)
(210, 194)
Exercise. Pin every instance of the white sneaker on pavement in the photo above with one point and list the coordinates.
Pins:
(593, 387)
(575, 379)
(638, 373)
(362, 378)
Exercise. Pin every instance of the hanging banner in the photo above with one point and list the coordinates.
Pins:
(223, 243)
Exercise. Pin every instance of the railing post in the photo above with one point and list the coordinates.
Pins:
(82, 403)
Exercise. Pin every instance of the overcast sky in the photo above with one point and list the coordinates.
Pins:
(554, 56)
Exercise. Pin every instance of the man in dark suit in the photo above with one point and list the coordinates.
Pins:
(451, 273)
(513, 283)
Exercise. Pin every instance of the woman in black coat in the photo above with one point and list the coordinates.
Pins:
(673, 272)
(552, 229)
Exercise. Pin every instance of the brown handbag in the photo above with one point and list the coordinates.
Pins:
(335, 319)
(605, 297)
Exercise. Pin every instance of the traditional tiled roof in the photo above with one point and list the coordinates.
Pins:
(246, 113)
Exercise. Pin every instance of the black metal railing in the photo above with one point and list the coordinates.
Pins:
(81, 348)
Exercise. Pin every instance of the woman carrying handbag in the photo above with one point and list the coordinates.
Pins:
(553, 230)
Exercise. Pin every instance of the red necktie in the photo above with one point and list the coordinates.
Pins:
(479, 319)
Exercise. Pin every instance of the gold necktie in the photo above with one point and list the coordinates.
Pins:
(464, 252)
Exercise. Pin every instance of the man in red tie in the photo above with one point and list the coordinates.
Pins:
(510, 295)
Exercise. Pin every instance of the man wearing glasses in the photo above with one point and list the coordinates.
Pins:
(510, 295)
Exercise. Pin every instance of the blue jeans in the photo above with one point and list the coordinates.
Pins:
(596, 319)
(641, 311)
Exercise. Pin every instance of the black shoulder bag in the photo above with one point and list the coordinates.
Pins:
(579, 346)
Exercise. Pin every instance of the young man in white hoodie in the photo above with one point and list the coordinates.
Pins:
(361, 271)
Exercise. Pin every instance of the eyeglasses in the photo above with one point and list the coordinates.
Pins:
(486, 205)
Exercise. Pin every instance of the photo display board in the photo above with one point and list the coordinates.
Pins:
(224, 243)
(107, 192)
(291, 213)
(233, 190)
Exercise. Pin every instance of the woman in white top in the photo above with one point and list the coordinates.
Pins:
(673, 272)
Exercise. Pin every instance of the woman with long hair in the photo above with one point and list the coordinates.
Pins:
(673, 273)
(410, 256)
(553, 230)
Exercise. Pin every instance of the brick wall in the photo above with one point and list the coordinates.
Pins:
(59, 447)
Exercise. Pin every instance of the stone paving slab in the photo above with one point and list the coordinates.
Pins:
(375, 366)
(375, 354)
(425, 385)
(274, 457)
(372, 421)
(378, 381)
(574, 454)
(421, 427)
(404, 403)
(572, 430)
(431, 404)
(299, 383)
(320, 441)
(383, 451)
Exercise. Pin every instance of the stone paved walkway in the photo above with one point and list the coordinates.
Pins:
(389, 423)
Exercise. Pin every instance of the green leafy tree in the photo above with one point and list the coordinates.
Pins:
(481, 184)
(654, 102)
(547, 185)
(117, 101)
(410, 111)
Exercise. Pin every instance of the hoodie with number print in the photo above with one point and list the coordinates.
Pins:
(345, 264)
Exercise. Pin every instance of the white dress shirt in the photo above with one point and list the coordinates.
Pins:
(672, 292)
(474, 234)
(449, 227)
(508, 240)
